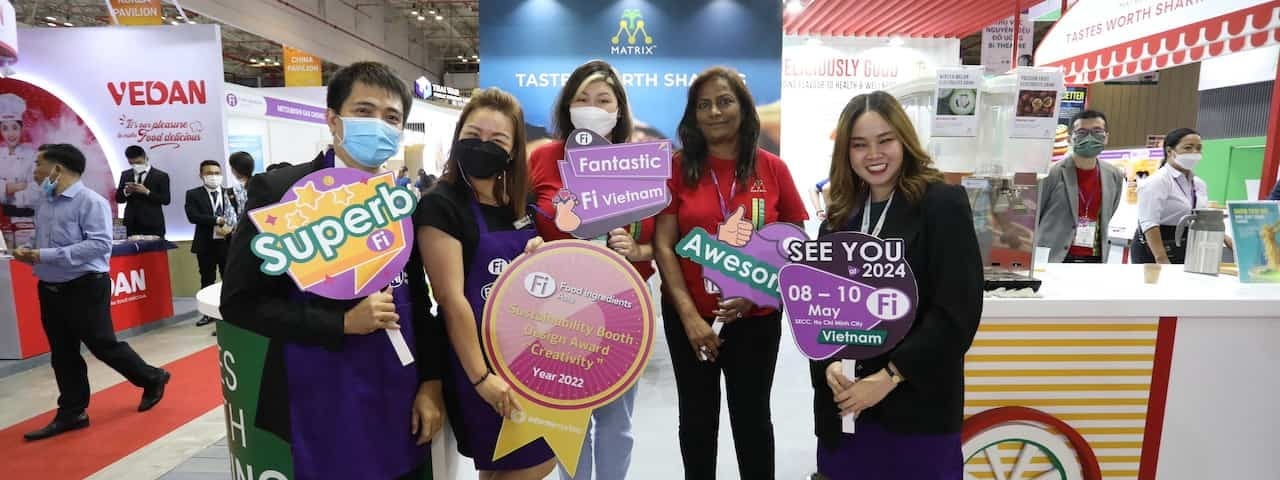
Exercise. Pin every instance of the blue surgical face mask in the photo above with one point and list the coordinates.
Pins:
(49, 185)
(369, 141)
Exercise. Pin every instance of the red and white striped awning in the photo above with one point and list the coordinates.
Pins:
(1099, 40)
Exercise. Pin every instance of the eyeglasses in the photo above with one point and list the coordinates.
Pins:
(1086, 131)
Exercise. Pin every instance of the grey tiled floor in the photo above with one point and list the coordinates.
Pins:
(657, 453)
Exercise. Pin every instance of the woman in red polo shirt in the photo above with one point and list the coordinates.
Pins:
(721, 177)
(593, 99)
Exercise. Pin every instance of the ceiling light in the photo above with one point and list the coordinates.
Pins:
(253, 60)
(475, 57)
(431, 12)
(794, 6)
(50, 19)
(438, 17)
(51, 24)
(464, 60)
(413, 12)
(68, 24)
(421, 18)
(460, 57)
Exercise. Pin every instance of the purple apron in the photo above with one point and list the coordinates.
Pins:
(350, 410)
(480, 423)
(876, 453)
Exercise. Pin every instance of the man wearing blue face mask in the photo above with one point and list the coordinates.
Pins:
(331, 384)
(72, 258)
(1079, 196)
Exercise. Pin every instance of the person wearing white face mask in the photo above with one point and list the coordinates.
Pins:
(1167, 196)
(212, 209)
(593, 99)
(333, 387)
(144, 189)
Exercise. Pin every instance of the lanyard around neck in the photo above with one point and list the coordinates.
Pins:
(733, 192)
(866, 214)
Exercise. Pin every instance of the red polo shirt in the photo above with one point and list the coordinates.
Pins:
(544, 175)
(771, 191)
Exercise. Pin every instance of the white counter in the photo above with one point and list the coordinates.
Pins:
(1073, 290)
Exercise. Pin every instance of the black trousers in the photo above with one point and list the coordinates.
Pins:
(80, 311)
(748, 357)
(1140, 252)
(212, 260)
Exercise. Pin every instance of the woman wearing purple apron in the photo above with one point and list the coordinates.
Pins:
(470, 227)
(332, 385)
(909, 402)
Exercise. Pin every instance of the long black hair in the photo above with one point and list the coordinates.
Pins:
(1172, 139)
(695, 152)
(593, 70)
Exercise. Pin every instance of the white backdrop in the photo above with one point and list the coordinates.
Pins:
(120, 81)
(820, 77)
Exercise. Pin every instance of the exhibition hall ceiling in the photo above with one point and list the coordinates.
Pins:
(448, 28)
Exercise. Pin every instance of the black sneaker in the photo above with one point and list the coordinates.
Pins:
(205, 320)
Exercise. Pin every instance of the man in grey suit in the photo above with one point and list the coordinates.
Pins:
(1079, 196)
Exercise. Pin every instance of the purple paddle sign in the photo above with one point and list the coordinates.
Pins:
(848, 295)
(610, 186)
(750, 271)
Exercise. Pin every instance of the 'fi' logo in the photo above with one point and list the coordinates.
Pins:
(632, 25)
(540, 285)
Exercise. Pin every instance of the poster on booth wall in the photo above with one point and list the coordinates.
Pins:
(1036, 105)
(168, 100)
(570, 327)
(31, 116)
(997, 45)
(610, 186)
(1256, 228)
(251, 144)
(821, 75)
(657, 46)
(956, 114)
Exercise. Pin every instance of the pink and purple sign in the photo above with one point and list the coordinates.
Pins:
(848, 295)
(570, 327)
(610, 186)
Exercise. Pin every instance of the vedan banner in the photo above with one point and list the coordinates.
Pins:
(168, 101)
(821, 75)
(137, 12)
(658, 47)
(301, 69)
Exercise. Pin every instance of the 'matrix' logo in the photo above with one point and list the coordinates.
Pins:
(631, 31)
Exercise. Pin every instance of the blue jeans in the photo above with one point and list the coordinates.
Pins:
(608, 441)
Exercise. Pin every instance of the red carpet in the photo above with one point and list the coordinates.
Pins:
(116, 429)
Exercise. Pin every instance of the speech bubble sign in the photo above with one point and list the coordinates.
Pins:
(338, 232)
(570, 328)
(750, 271)
(610, 186)
(848, 295)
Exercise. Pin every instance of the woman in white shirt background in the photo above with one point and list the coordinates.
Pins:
(1172, 193)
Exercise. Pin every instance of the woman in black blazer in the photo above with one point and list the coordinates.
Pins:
(909, 402)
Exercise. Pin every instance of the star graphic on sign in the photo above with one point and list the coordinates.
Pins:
(343, 196)
(271, 220)
(308, 197)
(295, 220)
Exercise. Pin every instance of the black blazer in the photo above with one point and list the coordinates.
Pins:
(266, 305)
(144, 214)
(200, 213)
(942, 250)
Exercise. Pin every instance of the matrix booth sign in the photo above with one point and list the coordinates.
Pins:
(657, 46)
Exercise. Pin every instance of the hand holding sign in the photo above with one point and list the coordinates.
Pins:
(375, 312)
(620, 241)
(735, 231)
(566, 219)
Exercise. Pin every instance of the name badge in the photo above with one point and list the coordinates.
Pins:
(522, 222)
(1086, 233)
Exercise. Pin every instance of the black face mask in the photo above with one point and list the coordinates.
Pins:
(478, 158)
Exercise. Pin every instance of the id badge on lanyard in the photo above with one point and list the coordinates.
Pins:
(1086, 233)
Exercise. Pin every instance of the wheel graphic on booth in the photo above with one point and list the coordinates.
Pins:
(1032, 434)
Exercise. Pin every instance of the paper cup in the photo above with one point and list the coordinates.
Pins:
(1151, 272)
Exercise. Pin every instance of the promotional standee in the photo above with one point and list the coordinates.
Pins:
(849, 295)
(610, 186)
(570, 328)
(338, 233)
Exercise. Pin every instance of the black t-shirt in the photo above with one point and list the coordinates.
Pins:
(448, 208)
